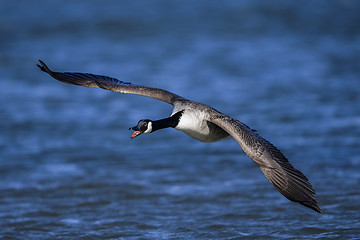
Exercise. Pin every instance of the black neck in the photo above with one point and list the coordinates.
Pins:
(167, 122)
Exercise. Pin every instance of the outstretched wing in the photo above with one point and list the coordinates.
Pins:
(289, 181)
(109, 83)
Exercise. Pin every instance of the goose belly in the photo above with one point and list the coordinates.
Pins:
(201, 130)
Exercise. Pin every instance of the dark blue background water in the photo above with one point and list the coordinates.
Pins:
(69, 170)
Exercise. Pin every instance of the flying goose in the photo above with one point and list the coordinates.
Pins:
(206, 124)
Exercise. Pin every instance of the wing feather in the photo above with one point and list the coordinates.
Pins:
(110, 83)
(289, 181)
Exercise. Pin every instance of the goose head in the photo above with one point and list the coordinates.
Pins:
(143, 126)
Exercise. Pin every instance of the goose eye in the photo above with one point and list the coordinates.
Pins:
(143, 126)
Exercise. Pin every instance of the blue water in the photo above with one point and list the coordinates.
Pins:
(69, 170)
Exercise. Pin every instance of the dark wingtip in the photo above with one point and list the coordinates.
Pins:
(43, 67)
(40, 66)
(317, 209)
(313, 206)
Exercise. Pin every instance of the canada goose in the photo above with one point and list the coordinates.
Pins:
(206, 124)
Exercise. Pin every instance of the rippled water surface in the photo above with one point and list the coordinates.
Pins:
(69, 170)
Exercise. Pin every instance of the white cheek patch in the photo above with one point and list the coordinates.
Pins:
(149, 128)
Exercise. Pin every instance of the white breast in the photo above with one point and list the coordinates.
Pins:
(193, 123)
